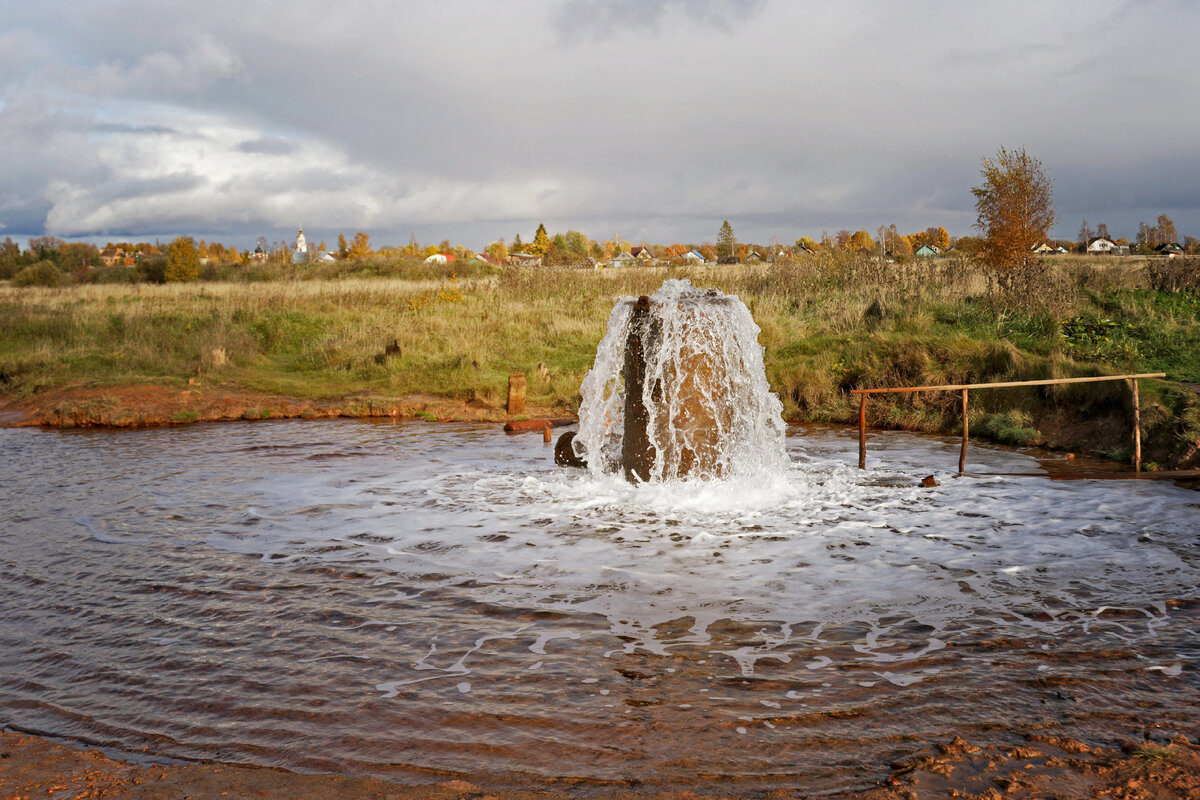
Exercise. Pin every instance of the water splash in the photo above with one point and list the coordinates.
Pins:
(709, 411)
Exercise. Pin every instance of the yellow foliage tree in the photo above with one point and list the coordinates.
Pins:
(183, 262)
(497, 251)
(1015, 208)
(861, 240)
(360, 246)
(540, 243)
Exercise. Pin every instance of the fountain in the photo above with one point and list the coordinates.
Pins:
(677, 391)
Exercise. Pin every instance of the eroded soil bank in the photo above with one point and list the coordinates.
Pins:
(32, 767)
(150, 405)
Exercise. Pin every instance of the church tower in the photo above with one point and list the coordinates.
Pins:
(301, 244)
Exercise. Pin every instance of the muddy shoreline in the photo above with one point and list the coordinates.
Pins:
(151, 405)
(32, 766)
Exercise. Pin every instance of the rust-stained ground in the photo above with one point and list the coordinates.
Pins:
(32, 767)
(133, 406)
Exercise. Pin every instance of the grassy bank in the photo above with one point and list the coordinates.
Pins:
(828, 323)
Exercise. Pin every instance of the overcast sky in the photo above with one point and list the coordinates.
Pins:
(656, 119)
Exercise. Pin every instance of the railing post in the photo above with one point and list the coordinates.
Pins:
(962, 456)
(862, 431)
(1137, 429)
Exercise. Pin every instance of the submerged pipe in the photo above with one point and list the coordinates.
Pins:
(637, 451)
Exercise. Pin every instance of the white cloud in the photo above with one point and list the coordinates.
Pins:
(204, 176)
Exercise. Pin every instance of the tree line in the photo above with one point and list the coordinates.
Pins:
(1014, 214)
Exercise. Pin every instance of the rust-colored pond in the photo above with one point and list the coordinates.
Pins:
(418, 602)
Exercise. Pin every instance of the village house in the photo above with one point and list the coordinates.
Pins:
(117, 257)
(622, 259)
(927, 251)
(1101, 246)
(642, 254)
(524, 260)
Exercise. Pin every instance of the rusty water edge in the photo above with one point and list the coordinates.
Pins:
(1132, 379)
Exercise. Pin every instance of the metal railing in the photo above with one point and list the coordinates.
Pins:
(966, 387)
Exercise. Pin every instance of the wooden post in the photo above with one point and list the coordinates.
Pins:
(516, 393)
(546, 433)
(962, 456)
(1137, 429)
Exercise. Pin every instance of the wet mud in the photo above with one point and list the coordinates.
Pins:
(1042, 767)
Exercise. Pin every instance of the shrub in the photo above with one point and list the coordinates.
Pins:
(151, 269)
(1174, 274)
(43, 273)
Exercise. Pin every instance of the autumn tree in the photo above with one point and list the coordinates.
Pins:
(1166, 230)
(78, 256)
(1015, 207)
(183, 261)
(726, 244)
(360, 246)
(861, 240)
(343, 248)
(933, 236)
(578, 243)
(894, 243)
(497, 251)
(1152, 236)
(540, 243)
(10, 255)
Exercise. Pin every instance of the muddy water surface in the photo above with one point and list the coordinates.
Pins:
(415, 601)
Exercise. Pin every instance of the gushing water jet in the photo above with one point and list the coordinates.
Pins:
(678, 391)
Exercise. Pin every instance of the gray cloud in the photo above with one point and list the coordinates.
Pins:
(137, 130)
(270, 145)
(609, 17)
(473, 120)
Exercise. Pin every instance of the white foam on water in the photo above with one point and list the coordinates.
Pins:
(817, 547)
(692, 326)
